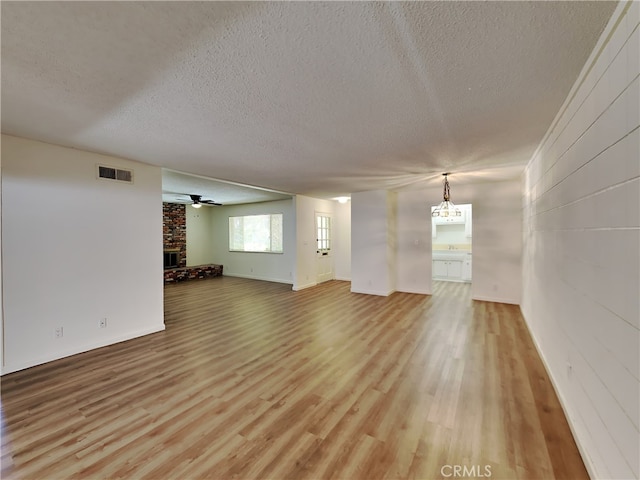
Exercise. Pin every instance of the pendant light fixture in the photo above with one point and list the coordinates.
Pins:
(446, 207)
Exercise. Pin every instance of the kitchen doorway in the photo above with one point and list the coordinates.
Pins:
(451, 246)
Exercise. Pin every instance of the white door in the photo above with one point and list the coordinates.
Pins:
(323, 248)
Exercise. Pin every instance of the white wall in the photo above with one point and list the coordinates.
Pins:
(581, 252)
(274, 267)
(373, 242)
(76, 249)
(199, 225)
(1, 289)
(414, 243)
(392, 240)
(496, 242)
(342, 241)
(453, 234)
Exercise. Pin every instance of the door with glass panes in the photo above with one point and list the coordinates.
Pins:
(324, 261)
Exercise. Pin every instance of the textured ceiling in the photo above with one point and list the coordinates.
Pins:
(177, 187)
(316, 98)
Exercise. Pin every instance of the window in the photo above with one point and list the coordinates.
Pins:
(323, 229)
(256, 233)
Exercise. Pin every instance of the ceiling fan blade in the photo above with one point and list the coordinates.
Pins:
(210, 202)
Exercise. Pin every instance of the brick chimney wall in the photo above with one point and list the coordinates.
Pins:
(174, 229)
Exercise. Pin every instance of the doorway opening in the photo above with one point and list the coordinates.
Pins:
(451, 246)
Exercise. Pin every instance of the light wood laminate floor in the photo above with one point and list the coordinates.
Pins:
(251, 380)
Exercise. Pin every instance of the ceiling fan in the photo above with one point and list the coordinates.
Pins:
(197, 201)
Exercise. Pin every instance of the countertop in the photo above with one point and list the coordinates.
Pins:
(450, 255)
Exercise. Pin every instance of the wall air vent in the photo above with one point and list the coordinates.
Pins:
(117, 174)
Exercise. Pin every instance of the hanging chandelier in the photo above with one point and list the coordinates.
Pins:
(446, 207)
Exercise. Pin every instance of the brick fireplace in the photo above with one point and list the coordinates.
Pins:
(174, 235)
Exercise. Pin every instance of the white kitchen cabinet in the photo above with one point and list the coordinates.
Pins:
(466, 269)
(454, 269)
(447, 270)
(440, 268)
(454, 220)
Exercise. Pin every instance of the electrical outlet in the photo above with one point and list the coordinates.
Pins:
(103, 323)
(59, 332)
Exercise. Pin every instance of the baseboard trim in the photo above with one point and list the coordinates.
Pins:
(81, 349)
(297, 288)
(495, 300)
(417, 292)
(373, 292)
(253, 277)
